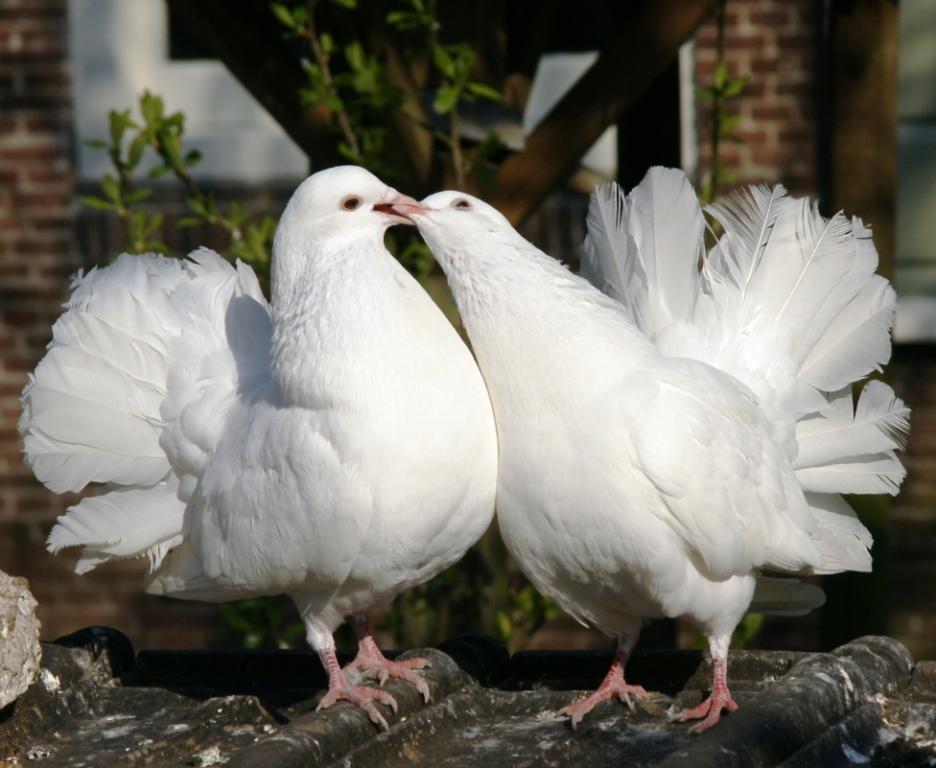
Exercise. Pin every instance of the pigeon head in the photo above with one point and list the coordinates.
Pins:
(455, 221)
(458, 228)
(346, 199)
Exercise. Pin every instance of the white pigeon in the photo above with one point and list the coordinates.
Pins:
(337, 446)
(660, 449)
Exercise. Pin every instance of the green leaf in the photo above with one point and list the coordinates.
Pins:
(705, 94)
(734, 86)
(327, 42)
(119, 122)
(354, 55)
(349, 4)
(158, 170)
(172, 149)
(98, 203)
(446, 98)
(188, 221)
(333, 102)
(443, 61)
(198, 206)
(135, 153)
(729, 122)
(192, 157)
(96, 144)
(721, 74)
(175, 121)
(484, 91)
(138, 194)
(151, 107)
(283, 14)
(111, 188)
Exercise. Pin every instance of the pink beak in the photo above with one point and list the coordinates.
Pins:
(399, 207)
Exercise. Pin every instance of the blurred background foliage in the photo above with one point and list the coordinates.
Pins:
(348, 76)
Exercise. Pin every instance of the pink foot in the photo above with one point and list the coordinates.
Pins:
(372, 663)
(612, 686)
(710, 710)
(361, 696)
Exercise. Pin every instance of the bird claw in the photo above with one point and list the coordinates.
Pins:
(382, 669)
(363, 697)
(621, 690)
(709, 711)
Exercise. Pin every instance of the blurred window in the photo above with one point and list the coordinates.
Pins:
(916, 172)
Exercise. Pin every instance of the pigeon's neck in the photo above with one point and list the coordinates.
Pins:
(328, 298)
(525, 312)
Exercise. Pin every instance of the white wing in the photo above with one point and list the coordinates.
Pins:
(701, 439)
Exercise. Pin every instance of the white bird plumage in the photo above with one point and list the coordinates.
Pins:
(337, 446)
(660, 448)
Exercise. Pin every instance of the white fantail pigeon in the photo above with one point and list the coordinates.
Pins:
(337, 446)
(665, 440)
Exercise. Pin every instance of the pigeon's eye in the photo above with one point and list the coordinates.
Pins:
(461, 204)
(351, 203)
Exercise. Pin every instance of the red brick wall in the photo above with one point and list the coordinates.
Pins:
(36, 250)
(774, 43)
(37, 255)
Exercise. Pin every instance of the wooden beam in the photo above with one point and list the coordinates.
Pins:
(863, 116)
(600, 98)
(861, 50)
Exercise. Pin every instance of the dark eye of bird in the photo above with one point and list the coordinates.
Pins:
(461, 204)
(351, 203)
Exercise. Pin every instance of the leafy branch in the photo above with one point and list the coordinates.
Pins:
(357, 95)
(453, 63)
(163, 134)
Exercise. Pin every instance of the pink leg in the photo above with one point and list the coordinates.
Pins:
(613, 685)
(371, 662)
(710, 709)
(359, 695)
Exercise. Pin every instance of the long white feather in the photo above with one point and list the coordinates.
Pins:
(666, 223)
(872, 473)
(878, 425)
(123, 523)
(610, 259)
(856, 342)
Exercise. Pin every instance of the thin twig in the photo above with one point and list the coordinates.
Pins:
(717, 100)
(321, 58)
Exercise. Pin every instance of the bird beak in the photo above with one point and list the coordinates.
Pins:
(399, 207)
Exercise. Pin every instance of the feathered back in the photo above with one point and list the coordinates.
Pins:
(140, 342)
(787, 302)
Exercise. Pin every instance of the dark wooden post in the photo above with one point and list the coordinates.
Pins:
(861, 48)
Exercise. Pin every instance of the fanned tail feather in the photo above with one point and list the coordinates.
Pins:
(122, 524)
(100, 404)
(644, 249)
(788, 302)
